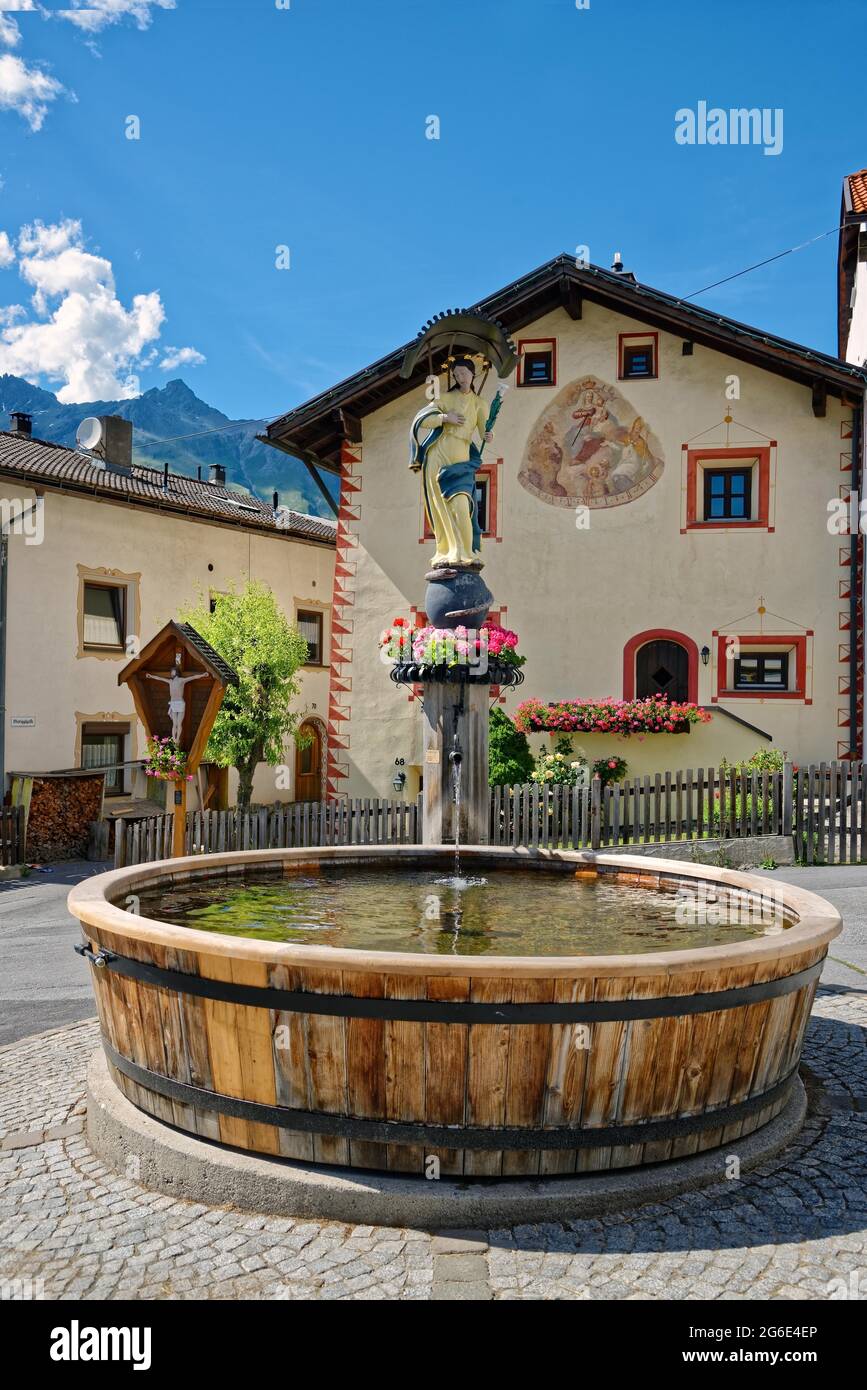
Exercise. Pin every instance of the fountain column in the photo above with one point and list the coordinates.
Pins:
(456, 717)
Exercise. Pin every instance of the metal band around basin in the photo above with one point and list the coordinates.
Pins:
(443, 1136)
(439, 1011)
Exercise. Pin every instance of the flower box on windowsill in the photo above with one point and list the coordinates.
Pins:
(683, 726)
(618, 718)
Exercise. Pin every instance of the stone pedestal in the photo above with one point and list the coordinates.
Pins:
(452, 707)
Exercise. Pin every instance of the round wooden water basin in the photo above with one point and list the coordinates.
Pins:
(483, 1066)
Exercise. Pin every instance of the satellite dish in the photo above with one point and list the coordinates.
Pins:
(89, 433)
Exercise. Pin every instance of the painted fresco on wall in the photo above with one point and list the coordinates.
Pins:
(590, 448)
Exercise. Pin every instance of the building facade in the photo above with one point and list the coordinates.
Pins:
(108, 556)
(852, 270)
(663, 512)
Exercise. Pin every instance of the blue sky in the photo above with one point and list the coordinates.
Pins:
(305, 127)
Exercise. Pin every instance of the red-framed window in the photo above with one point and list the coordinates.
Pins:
(638, 356)
(766, 666)
(728, 489)
(487, 494)
(537, 362)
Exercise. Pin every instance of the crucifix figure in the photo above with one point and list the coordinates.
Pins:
(177, 705)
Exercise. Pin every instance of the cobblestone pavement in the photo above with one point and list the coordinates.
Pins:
(793, 1228)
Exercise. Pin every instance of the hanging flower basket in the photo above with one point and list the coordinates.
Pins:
(487, 655)
(166, 762)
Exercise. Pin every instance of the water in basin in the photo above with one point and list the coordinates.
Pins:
(507, 912)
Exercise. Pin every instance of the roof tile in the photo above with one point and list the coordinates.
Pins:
(38, 459)
(858, 190)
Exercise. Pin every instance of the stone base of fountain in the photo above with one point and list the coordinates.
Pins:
(181, 1165)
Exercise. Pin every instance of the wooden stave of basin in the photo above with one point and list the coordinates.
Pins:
(484, 1097)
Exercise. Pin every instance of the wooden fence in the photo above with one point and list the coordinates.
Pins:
(296, 825)
(13, 823)
(823, 807)
(690, 805)
(830, 813)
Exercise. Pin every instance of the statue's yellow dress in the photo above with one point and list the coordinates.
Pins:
(450, 502)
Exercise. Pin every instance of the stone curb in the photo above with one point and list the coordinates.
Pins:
(165, 1160)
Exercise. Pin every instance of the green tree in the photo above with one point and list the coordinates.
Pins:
(510, 761)
(250, 631)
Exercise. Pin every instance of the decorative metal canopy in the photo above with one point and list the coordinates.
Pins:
(458, 331)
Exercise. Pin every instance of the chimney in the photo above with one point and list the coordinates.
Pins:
(108, 441)
(116, 444)
(620, 269)
(217, 475)
(22, 424)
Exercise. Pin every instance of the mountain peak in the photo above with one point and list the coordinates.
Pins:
(176, 390)
(178, 387)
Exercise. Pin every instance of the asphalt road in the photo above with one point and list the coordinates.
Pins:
(44, 984)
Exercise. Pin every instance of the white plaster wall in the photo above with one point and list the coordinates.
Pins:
(856, 344)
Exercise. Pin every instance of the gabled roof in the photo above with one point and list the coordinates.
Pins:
(314, 431)
(211, 658)
(37, 462)
(185, 636)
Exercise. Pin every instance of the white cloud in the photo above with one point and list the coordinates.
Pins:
(181, 357)
(54, 262)
(10, 34)
(79, 334)
(26, 87)
(7, 254)
(95, 15)
(27, 90)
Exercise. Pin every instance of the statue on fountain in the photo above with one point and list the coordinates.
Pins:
(442, 449)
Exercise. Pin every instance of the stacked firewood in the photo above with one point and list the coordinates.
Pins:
(61, 811)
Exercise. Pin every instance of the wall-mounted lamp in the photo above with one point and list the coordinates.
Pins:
(705, 655)
(398, 781)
